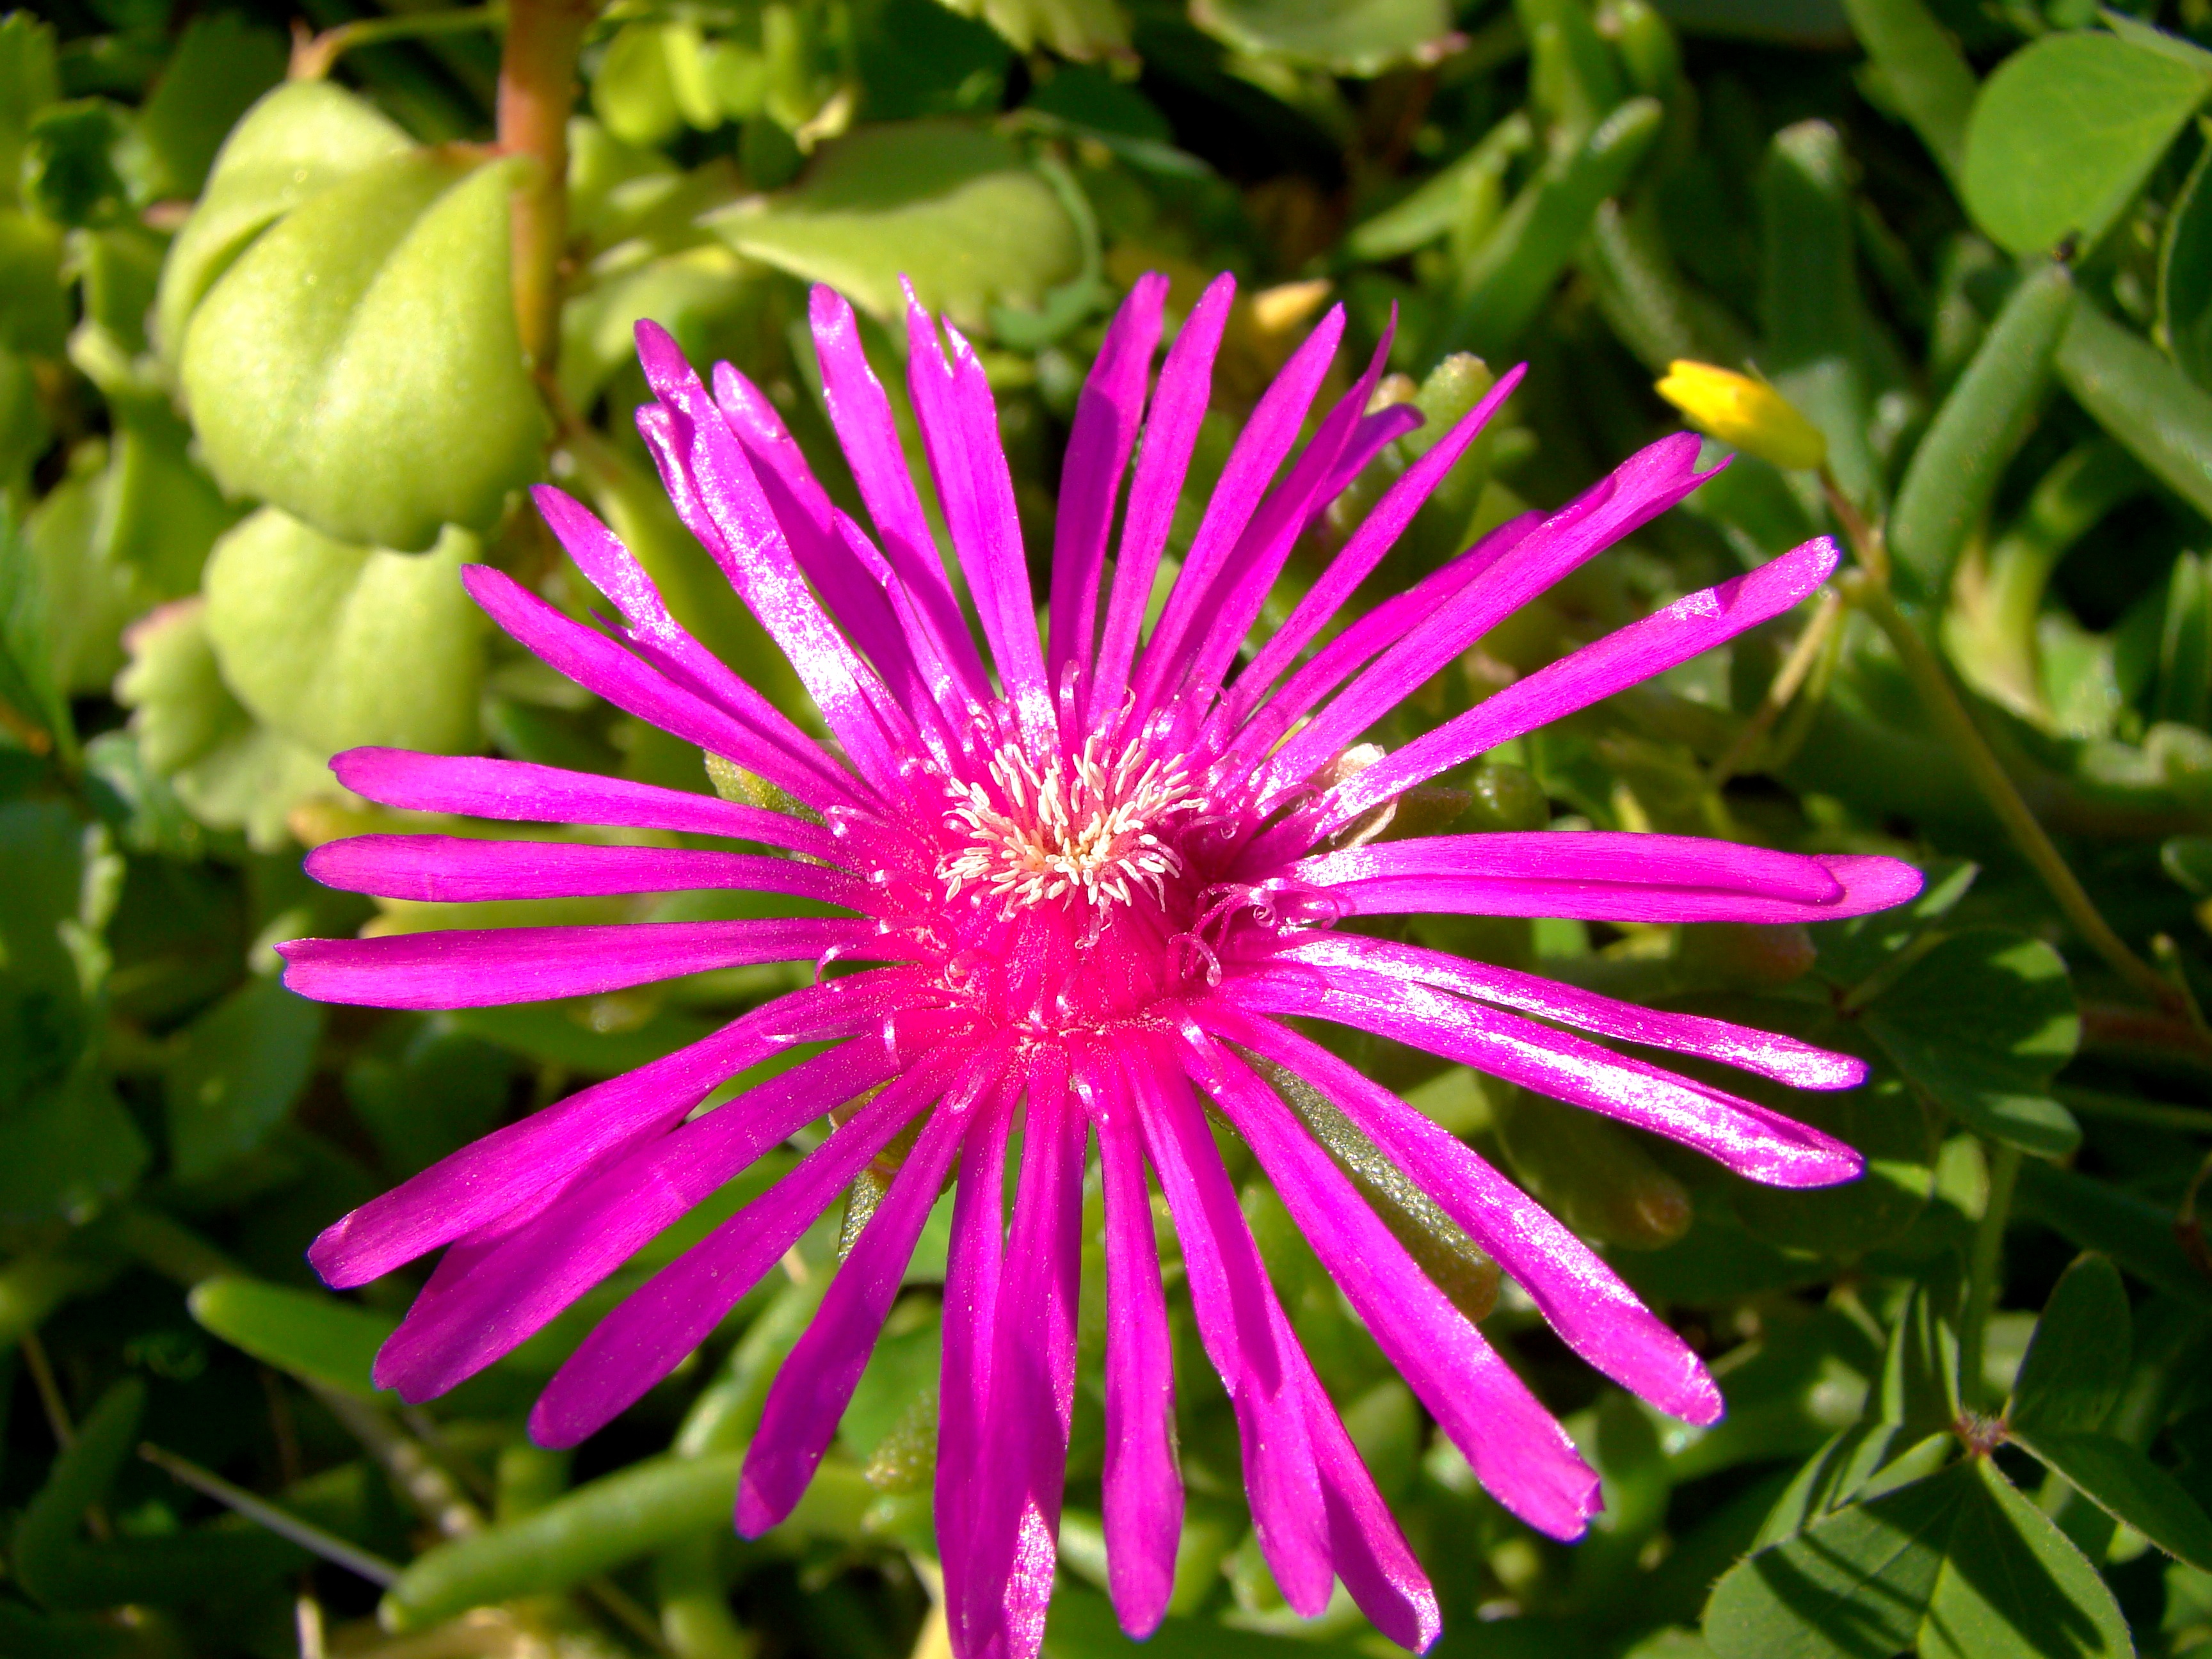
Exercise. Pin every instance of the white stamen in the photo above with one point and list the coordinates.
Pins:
(1088, 829)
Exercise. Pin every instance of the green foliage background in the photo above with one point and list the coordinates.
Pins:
(270, 371)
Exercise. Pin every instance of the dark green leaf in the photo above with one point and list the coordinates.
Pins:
(241, 1066)
(2077, 1361)
(2184, 276)
(1959, 1564)
(1979, 1024)
(2096, 1215)
(2128, 1486)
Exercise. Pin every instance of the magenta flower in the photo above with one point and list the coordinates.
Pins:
(1091, 891)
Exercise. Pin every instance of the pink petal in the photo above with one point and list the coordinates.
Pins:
(1265, 439)
(1784, 1059)
(851, 586)
(1249, 1344)
(1583, 1299)
(597, 663)
(1600, 875)
(1640, 488)
(1107, 413)
(715, 492)
(489, 1178)
(521, 790)
(1142, 1485)
(862, 414)
(486, 968)
(960, 429)
(462, 870)
(1171, 425)
(1627, 657)
(1379, 1568)
(1760, 1144)
(1387, 623)
(1016, 1512)
(816, 1382)
(1521, 1456)
(1241, 588)
(509, 1293)
(973, 1260)
(671, 1314)
(1376, 535)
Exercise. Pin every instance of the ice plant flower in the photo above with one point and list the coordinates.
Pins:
(1086, 883)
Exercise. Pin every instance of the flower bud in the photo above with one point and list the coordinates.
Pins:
(1745, 413)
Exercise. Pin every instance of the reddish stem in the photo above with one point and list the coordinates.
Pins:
(537, 90)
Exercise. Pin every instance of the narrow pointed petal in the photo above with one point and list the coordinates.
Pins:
(960, 429)
(1627, 657)
(523, 792)
(1142, 1487)
(462, 870)
(786, 757)
(851, 581)
(1343, 656)
(1016, 1514)
(1248, 576)
(1580, 1297)
(1171, 427)
(1378, 1567)
(974, 1258)
(454, 1331)
(1784, 1059)
(1600, 875)
(1372, 435)
(1108, 411)
(671, 1314)
(489, 967)
(720, 501)
(1258, 452)
(816, 1382)
(860, 412)
(1376, 535)
(1758, 1143)
(1639, 489)
(1248, 1343)
(472, 1188)
(1521, 1456)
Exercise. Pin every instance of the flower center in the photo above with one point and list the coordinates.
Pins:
(1077, 828)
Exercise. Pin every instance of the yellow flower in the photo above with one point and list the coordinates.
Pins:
(1748, 414)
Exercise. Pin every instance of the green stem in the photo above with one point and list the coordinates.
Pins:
(537, 91)
(1985, 1269)
(1957, 729)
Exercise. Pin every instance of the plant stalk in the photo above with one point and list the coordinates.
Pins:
(1957, 728)
(537, 91)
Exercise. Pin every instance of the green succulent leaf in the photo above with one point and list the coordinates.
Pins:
(334, 644)
(359, 364)
(946, 204)
(2066, 131)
